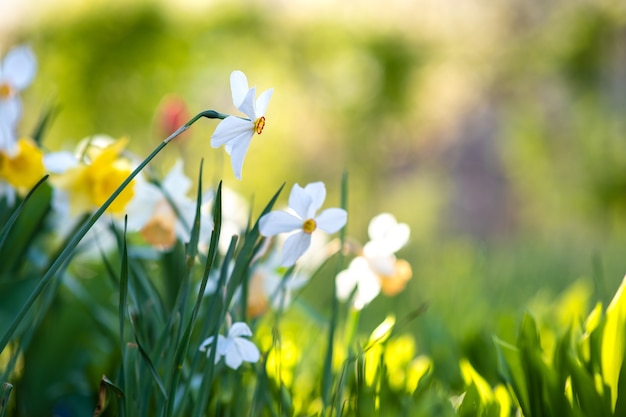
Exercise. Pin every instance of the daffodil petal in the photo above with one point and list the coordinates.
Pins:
(238, 87)
(231, 129)
(387, 234)
(331, 220)
(59, 162)
(263, 101)
(205, 344)
(294, 247)
(239, 329)
(345, 282)
(176, 183)
(247, 350)
(247, 105)
(317, 191)
(300, 201)
(10, 111)
(19, 67)
(277, 222)
(238, 154)
(233, 359)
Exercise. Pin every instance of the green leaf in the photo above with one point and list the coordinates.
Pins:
(23, 225)
(614, 341)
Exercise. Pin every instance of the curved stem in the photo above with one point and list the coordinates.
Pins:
(64, 255)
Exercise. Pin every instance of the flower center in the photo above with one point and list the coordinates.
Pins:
(309, 226)
(6, 91)
(259, 125)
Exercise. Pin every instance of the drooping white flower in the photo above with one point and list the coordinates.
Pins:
(300, 218)
(234, 348)
(236, 132)
(377, 268)
(17, 71)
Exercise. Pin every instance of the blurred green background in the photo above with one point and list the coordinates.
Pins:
(496, 129)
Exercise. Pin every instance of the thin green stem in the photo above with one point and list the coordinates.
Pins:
(80, 233)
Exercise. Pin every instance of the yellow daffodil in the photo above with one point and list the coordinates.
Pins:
(90, 183)
(23, 169)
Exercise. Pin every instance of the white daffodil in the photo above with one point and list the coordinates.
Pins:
(234, 348)
(300, 217)
(377, 268)
(164, 214)
(236, 132)
(17, 71)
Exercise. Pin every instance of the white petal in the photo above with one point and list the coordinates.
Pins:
(59, 162)
(391, 235)
(277, 222)
(233, 358)
(224, 344)
(176, 183)
(231, 129)
(19, 67)
(383, 265)
(239, 329)
(247, 105)
(205, 343)
(368, 286)
(263, 101)
(300, 201)
(238, 87)
(345, 282)
(331, 220)
(247, 350)
(317, 191)
(294, 247)
(10, 111)
(238, 151)
(8, 140)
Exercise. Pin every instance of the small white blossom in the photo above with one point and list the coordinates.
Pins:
(166, 213)
(234, 348)
(17, 71)
(301, 219)
(236, 132)
(376, 268)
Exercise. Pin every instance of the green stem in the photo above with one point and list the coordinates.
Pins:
(73, 243)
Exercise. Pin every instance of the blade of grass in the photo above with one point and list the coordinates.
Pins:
(122, 307)
(327, 376)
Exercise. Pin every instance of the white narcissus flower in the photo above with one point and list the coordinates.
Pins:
(17, 71)
(300, 218)
(377, 268)
(234, 348)
(164, 214)
(236, 132)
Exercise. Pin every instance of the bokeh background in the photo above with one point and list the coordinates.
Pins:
(495, 129)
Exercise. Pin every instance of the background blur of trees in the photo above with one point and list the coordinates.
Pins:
(496, 129)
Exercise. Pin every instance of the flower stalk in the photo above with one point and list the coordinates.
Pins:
(65, 254)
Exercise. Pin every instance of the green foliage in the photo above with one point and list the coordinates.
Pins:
(582, 374)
